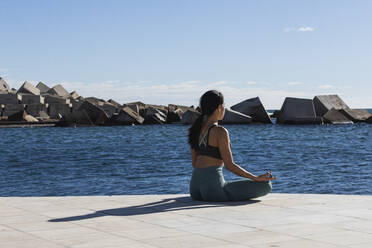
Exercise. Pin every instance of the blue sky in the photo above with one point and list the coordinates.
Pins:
(172, 51)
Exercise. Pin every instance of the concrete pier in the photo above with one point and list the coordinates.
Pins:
(156, 221)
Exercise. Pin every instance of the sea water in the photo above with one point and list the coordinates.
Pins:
(155, 159)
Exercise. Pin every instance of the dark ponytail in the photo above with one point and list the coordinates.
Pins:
(194, 131)
(209, 102)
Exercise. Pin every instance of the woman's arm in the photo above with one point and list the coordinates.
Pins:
(224, 147)
(193, 156)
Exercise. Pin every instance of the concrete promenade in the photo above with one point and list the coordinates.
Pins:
(154, 221)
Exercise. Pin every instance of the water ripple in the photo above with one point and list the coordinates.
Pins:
(156, 159)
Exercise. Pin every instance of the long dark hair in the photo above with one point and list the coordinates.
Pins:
(208, 103)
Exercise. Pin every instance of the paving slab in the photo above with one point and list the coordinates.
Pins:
(156, 221)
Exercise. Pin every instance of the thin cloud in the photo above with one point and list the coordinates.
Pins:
(305, 29)
(325, 86)
(346, 87)
(289, 30)
(112, 81)
(299, 29)
(295, 83)
(184, 93)
(4, 72)
(220, 83)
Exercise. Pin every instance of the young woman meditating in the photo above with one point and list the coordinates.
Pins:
(210, 151)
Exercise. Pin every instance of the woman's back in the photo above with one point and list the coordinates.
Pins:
(209, 142)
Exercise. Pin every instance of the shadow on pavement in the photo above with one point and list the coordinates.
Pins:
(166, 205)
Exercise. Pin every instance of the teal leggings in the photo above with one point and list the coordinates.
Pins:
(208, 184)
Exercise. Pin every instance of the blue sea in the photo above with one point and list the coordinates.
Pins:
(155, 159)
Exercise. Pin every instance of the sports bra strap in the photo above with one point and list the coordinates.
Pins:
(206, 149)
(208, 133)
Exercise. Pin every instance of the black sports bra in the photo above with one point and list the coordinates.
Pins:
(205, 149)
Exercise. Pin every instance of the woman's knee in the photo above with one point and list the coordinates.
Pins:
(266, 188)
(261, 189)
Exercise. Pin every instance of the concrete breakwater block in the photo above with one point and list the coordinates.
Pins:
(58, 110)
(369, 120)
(110, 109)
(96, 101)
(324, 103)
(154, 116)
(58, 90)
(139, 104)
(142, 105)
(28, 88)
(95, 113)
(82, 117)
(174, 115)
(10, 109)
(335, 116)
(174, 107)
(235, 117)
(75, 103)
(77, 117)
(254, 108)
(32, 99)
(114, 103)
(275, 114)
(175, 112)
(142, 108)
(74, 95)
(55, 99)
(189, 117)
(127, 116)
(13, 91)
(356, 115)
(22, 116)
(42, 87)
(4, 86)
(9, 98)
(298, 111)
(162, 108)
(134, 107)
(107, 107)
(17, 116)
(37, 110)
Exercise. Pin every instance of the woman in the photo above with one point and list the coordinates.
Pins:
(210, 151)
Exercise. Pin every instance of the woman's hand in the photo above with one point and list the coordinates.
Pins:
(265, 177)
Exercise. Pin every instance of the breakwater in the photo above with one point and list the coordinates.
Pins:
(42, 105)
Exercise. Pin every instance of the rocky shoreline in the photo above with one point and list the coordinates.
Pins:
(41, 105)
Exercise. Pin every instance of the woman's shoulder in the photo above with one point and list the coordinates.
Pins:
(220, 130)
